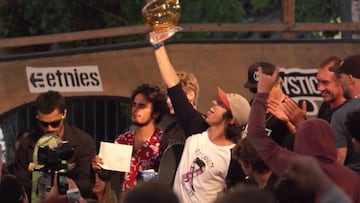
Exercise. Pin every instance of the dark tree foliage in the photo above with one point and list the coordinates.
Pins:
(39, 17)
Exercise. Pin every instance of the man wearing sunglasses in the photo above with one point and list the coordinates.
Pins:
(51, 113)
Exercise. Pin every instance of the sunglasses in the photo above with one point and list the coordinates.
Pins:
(53, 124)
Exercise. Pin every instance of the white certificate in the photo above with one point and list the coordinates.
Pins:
(116, 157)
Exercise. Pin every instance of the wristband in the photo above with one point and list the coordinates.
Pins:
(73, 195)
(157, 46)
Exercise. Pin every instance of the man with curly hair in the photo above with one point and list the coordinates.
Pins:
(148, 106)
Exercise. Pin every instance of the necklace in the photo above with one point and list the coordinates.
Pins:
(268, 116)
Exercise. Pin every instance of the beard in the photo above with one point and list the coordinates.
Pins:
(329, 96)
(141, 124)
(52, 132)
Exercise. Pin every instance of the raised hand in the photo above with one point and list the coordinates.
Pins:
(96, 161)
(266, 82)
(158, 37)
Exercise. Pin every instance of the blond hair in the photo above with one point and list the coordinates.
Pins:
(108, 194)
(189, 84)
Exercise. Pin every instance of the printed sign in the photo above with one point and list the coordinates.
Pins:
(64, 79)
(301, 85)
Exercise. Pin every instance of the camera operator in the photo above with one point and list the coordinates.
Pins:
(72, 196)
(51, 113)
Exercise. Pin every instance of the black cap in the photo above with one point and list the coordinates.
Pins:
(351, 66)
(253, 79)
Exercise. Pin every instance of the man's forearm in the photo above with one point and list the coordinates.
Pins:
(166, 69)
(341, 154)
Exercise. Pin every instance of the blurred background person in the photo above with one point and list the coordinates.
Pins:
(247, 194)
(306, 172)
(150, 192)
(103, 191)
(11, 190)
(173, 132)
(253, 166)
(349, 76)
(353, 126)
(174, 136)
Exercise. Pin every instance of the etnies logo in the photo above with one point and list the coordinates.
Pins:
(64, 79)
(300, 85)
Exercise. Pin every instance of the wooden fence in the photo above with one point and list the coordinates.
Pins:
(287, 27)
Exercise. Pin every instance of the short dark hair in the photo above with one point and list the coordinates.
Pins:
(11, 190)
(48, 101)
(352, 124)
(156, 96)
(245, 152)
(145, 192)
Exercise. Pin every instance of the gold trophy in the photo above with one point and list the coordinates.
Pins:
(162, 16)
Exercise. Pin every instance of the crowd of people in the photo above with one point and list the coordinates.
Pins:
(259, 150)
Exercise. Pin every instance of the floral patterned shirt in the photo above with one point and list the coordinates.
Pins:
(147, 157)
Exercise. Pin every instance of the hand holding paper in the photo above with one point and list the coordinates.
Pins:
(96, 162)
(115, 157)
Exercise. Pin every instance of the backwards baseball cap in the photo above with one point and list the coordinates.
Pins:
(237, 104)
(253, 74)
(351, 66)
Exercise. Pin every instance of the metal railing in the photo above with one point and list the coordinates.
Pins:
(102, 117)
(288, 27)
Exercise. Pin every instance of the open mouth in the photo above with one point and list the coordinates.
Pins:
(211, 111)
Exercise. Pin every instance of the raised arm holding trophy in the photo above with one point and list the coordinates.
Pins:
(162, 16)
(206, 168)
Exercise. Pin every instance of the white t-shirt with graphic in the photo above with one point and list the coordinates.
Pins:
(200, 177)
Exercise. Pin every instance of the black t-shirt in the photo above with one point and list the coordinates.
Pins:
(173, 132)
(325, 112)
(279, 131)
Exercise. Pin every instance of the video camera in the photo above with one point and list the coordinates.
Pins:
(54, 159)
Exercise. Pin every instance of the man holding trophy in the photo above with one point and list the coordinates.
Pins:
(207, 167)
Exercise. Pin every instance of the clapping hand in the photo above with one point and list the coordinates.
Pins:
(296, 114)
